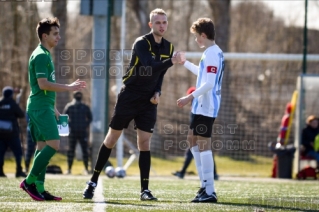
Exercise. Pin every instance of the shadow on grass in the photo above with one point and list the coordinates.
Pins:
(267, 207)
(112, 202)
(255, 207)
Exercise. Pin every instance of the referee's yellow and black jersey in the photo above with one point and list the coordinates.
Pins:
(149, 63)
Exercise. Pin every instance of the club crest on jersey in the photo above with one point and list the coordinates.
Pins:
(53, 76)
(212, 69)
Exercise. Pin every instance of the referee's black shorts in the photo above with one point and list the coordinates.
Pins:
(202, 125)
(131, 105)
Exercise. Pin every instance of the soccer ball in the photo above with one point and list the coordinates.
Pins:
(120, 172)
(110, 172)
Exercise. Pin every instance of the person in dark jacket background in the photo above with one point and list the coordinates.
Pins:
(308, 137)
(80, 117)
(9, 130)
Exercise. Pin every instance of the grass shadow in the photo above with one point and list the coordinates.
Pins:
(265, 207)
(124, 202)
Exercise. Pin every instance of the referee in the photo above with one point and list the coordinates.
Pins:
(152, 55)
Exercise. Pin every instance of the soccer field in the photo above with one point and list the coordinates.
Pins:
(234, 194)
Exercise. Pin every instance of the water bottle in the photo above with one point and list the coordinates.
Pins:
(63, 125)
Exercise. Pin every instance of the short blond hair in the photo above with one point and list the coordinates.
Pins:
(310, 119)
(157, 11)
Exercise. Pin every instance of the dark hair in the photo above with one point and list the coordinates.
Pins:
(7, 91)
(44, 26)
(204, 25)
(77, 93)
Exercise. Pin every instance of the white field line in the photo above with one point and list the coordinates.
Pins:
(99, 202)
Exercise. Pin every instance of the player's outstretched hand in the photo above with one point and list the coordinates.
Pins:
(181, 102)
(77, 85)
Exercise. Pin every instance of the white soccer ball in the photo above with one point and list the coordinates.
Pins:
(120, 172)
(110, 172)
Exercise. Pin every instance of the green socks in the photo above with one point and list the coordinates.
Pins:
(40, 163)
(40, 180)
(40, 186)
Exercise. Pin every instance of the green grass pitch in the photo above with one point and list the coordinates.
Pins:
(234, 194)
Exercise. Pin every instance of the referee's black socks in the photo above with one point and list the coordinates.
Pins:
(145, 166)
(102, 158)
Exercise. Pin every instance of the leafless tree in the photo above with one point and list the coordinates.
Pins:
(221, 16)
(140, 7)
(59, 10)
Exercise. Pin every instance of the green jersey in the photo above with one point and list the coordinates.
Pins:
(40, 66)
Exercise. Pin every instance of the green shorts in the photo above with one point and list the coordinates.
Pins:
(43, 125)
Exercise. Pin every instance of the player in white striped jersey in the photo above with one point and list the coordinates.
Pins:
(205, 106)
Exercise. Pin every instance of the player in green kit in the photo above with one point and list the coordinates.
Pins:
(41, 107)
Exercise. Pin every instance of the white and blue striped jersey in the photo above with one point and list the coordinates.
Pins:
(207, 96)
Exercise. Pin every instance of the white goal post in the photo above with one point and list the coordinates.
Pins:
(258, 56)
